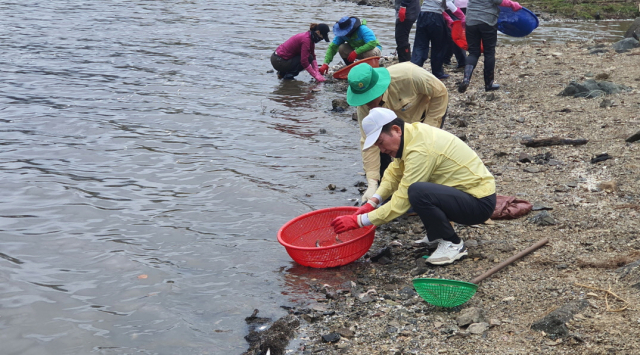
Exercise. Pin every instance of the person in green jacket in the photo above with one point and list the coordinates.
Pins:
(353, 40)
(433, 172)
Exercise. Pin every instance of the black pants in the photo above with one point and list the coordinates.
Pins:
(403, 29)
(288, 67)
(453, 49)
(436, 205)
(430, 29)
(488, 35)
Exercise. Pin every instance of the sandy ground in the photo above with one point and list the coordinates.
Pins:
(595, 208)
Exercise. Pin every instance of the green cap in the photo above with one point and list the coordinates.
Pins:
(366, 84)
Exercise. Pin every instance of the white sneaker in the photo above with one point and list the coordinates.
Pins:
(447, 253)
(425, 242)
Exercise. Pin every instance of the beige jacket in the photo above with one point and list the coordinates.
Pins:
(415, 95)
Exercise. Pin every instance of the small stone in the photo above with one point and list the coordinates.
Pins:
(524, 158)
(478, 328)
(331, 187)
(331, 338)
(600, 157)
(508, 299)
(609, 186)
(592, 295)
(635, 137)
(543, 219)
(461, 122)
(494, 322)
(471, 315)
(532, 169)
(602, 76)
(539, 206)
(345, 332)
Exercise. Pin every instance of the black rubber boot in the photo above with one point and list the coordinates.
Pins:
(346, 62)
(488, 81)
(404, 53)
(468, 71)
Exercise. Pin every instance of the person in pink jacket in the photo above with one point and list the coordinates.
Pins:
(298, 53)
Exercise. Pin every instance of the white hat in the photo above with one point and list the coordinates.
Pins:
(372, 124)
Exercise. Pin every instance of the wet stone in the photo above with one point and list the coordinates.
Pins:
(339, 105)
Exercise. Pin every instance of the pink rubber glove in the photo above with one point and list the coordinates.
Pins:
(512, 4)
(313, 70)
(345, 223)
(352, 56)
(447, 19)
(460, 15)
(402, 14)
(366, 208)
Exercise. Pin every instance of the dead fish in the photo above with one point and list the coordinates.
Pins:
(338, 240)
(318, 243)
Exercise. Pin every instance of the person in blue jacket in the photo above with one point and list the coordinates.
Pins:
(353, 40)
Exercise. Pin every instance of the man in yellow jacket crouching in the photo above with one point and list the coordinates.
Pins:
(435, 173)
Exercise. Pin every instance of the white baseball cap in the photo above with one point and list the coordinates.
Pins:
(372, 124)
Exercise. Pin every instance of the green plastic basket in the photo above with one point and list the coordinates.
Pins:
(451, 293)
(444, 293)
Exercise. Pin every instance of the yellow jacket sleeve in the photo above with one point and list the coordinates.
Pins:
(371, 156)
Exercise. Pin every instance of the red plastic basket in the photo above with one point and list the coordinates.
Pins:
(343, 73)
(301, 235)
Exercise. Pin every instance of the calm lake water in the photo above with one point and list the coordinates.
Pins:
(148, 159)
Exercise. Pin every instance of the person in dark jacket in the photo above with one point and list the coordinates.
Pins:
(298, 53)
(482, 17)
(407, 12)
(431, 32)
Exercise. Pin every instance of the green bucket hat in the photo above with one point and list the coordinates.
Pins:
(366, 84)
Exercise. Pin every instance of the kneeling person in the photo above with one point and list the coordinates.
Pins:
(434, 172)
